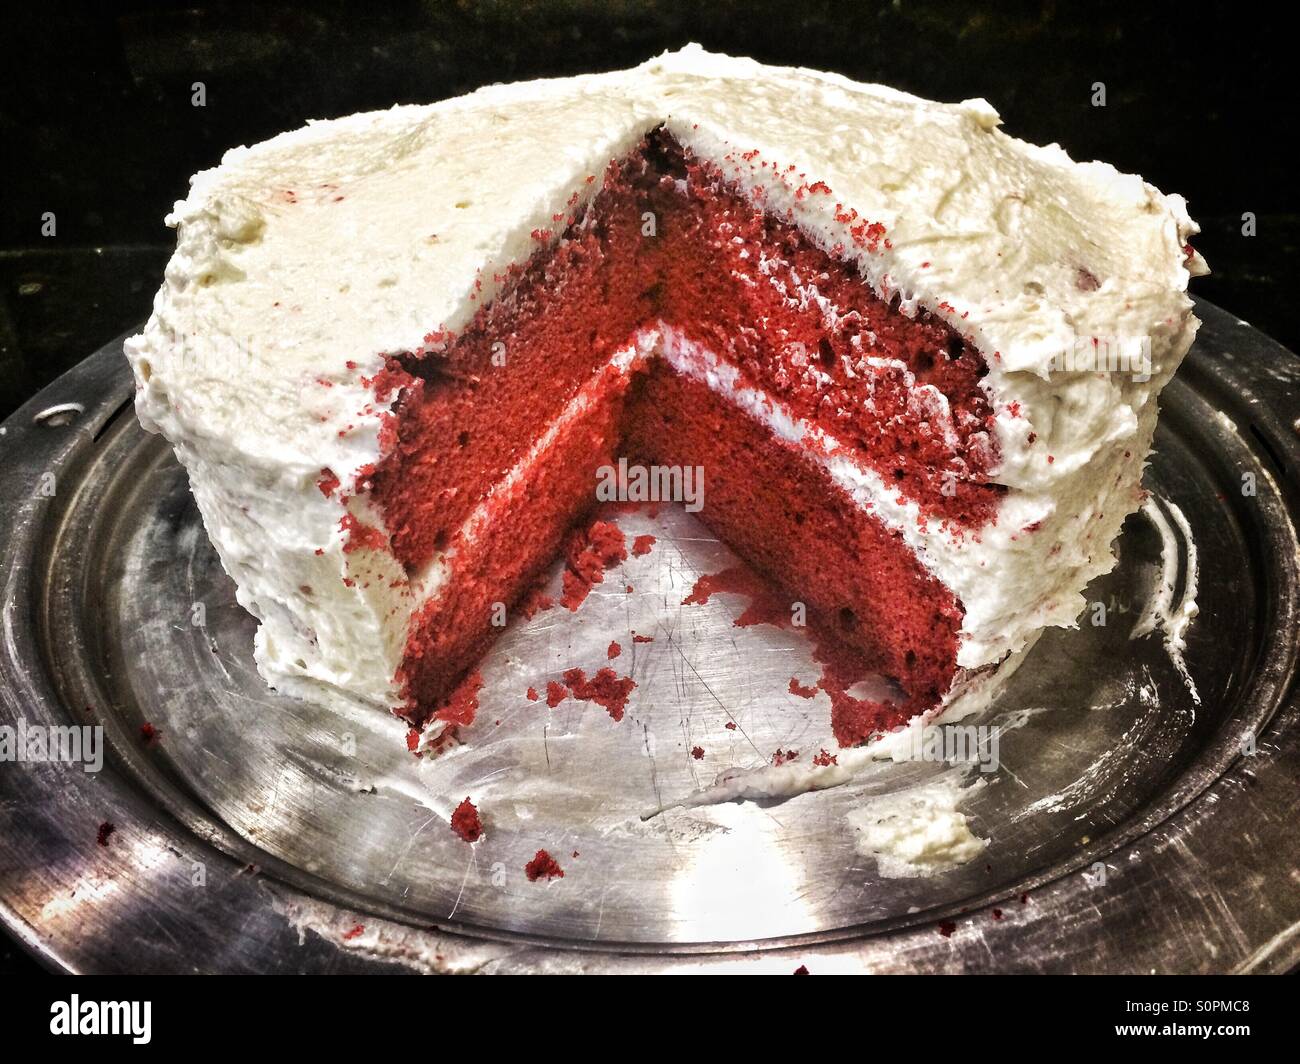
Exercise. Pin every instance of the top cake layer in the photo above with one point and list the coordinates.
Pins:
(364, 235)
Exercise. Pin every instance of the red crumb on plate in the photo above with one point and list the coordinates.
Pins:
(606, 689)
(465, 822)
(535, 601)
(543, 866)
(763, 608)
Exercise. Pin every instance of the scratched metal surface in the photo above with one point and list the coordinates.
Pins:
(1105, 759)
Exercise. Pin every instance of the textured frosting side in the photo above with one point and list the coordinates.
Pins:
(301, 261)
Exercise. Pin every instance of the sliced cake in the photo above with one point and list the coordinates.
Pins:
(917, 359)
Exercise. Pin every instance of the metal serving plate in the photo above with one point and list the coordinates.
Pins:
(1128, 828)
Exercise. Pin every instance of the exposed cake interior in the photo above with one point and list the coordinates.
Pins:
(768, 355)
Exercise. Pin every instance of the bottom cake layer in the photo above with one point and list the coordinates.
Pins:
(859, 584)
(782, 513)
(508, 540)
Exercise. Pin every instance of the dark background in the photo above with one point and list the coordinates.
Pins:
(97, 125)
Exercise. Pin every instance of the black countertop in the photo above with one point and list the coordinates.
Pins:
(100, 128)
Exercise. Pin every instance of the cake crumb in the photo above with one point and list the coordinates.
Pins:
(606, 689)
(543, 865)
(590, 553)
(796, 688)
(763, 608)
(465, 822)
(535, 601)
(614, 651)
(105, 830)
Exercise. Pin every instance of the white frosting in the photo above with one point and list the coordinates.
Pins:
(918, 831)
(302, 260)
(1160, 610)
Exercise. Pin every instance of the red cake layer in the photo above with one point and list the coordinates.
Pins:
(521, 534)
(468, 415)
(712, 242)
(785, 516)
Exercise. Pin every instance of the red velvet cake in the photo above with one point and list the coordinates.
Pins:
(916, 360)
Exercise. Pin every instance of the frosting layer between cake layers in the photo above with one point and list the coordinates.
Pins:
(304, 262)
